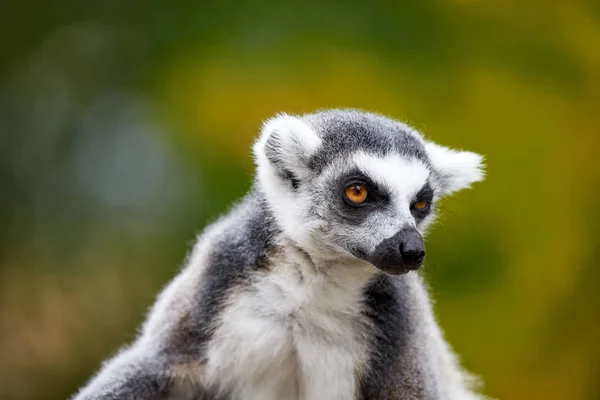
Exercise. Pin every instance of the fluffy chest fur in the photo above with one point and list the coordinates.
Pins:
(293, 332)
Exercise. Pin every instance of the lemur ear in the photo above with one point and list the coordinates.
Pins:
(285, 145)
(456, 169)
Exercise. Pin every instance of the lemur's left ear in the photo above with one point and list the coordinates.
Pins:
(285, 145)
(456, 169)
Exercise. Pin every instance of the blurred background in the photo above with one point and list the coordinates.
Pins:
(125, 128)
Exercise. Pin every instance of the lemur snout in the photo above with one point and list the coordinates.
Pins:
(400, 253)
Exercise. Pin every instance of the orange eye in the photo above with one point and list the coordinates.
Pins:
(419, 205)
(357, 193)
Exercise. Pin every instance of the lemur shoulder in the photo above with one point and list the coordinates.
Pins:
(308, 289)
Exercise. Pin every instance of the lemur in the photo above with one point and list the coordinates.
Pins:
(308, 288)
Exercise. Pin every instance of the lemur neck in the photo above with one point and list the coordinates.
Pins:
(327, 273)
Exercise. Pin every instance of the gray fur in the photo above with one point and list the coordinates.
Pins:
(292, 259)
(345, 131)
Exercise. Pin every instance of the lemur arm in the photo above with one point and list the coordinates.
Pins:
(137, 374)
(130, 375)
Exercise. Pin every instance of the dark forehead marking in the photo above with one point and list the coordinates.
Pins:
(344, 132)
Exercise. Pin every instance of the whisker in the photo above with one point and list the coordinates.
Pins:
(360, 278)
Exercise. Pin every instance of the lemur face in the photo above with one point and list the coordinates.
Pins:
(344, 183)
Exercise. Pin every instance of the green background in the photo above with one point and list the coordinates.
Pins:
(125, 127)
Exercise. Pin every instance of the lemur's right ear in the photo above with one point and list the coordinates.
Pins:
(285, 146)
(455, 169)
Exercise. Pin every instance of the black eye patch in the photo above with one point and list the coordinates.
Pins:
(422, 203)
(376, 195)
(350, 212)
(425, 194)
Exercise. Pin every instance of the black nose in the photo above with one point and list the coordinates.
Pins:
(400, 253)
(411, 249)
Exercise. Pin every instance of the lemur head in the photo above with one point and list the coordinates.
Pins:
(357, 185)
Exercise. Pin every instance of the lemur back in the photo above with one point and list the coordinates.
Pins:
(301, 292)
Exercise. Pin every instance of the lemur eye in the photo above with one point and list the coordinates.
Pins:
(421, 205)
(357, 193)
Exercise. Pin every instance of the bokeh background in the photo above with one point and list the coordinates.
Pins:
(125, 127)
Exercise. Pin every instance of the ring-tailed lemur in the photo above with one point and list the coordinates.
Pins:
(306, 289)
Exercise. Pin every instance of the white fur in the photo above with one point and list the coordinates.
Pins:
(459, 169)
(404, 177)
(292, 334)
